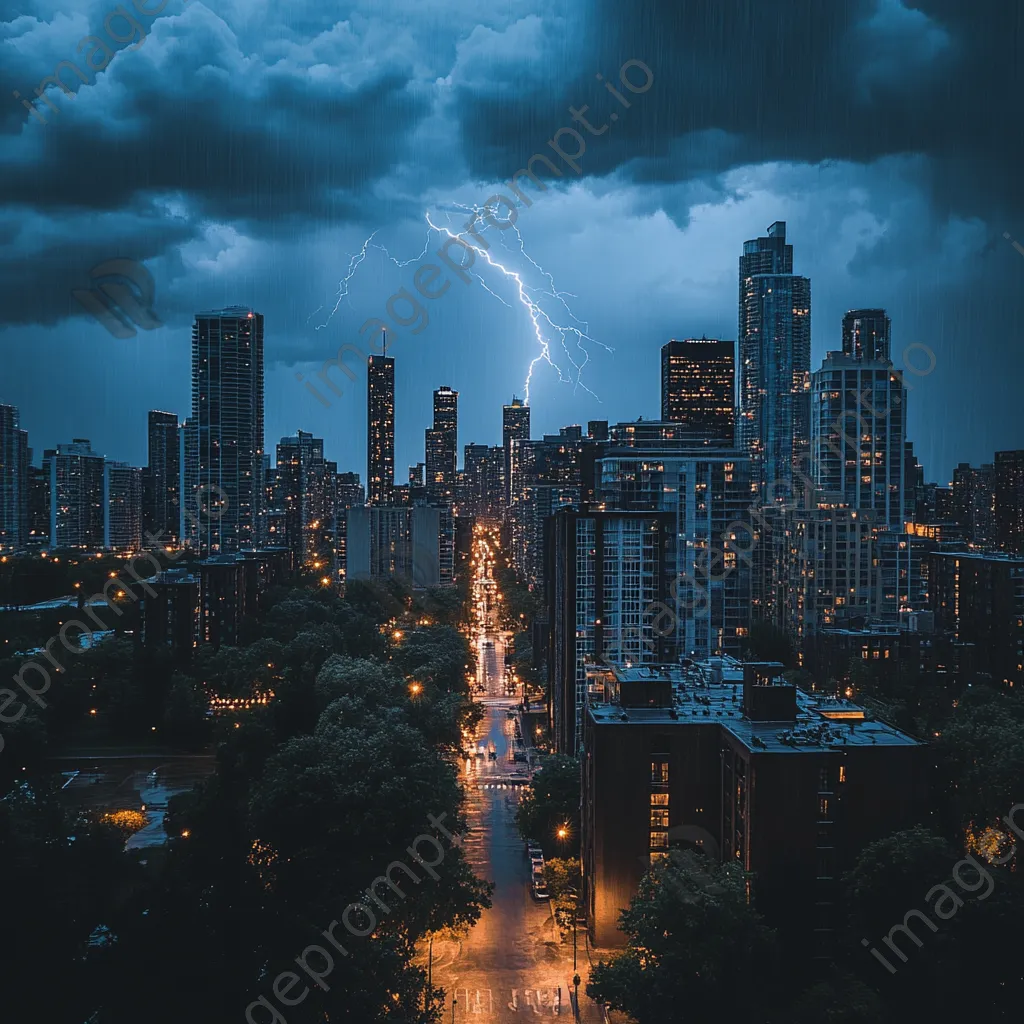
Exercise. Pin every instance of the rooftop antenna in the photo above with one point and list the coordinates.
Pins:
(384, 340)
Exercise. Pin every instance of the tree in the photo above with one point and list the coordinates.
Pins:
(552, 803)
(966, 917)
(980, 753)
(694, 946)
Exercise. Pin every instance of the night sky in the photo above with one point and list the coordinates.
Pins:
(245, 152)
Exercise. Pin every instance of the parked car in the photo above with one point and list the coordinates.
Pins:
(540, 890)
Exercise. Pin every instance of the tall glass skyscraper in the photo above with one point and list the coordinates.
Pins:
(380, 430)
(775, 357)
(225, 504)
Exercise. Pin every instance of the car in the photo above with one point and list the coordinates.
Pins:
(488, 643)
(540, 891)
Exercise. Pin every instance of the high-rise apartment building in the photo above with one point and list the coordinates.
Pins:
(515, 425)
(38, 505)
(774, 357)
(348, 493)
(442, 448)
(412, 543)
(606, 570)
(979, 598)
(698, 386)
(123, 503)
(14, 467)
(306, 498)
(974, 501)
(224, 438)
(483, 486)
(705, 490)
(867, 335)
(161, 479)
(380, 429)
(546, 477)
(77, 496)
(858, 436)
(1009, 500)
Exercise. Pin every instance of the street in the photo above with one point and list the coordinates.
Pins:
(511, 964)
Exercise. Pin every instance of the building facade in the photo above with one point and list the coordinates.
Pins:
(698, 386)
(161, 479)
(774, 357)
(77, 496)
(605, 571)
(979, 599)
(706, 490)
(380, 430)
(14, 485)
(515, 425)
(123, 504)
(442, 448)
(730, 760)
(1009, 500)
(224, 438)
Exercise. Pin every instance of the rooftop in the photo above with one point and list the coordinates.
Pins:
(709, 692)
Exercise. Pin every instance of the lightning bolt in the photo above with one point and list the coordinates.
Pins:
(540, 319)
(353, 266)
(545, 326)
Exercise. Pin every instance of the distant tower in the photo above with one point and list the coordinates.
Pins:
(380, 428)
(515, 423)
(698, 386)
(224, 439)
(161, 479)
(14, 475)
(775, 357)
(442, 447)
(867, 334)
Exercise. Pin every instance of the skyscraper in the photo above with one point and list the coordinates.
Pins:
(77, 496)
(775, 357)
(380, 429)
(858, 435)
(698, 386)
(348, 493)
(122, 528)
(974, 503)
(161, 479)
(225, 437)
(1009, 488)
(302, 495)
(515, 423)
(442, 447)
(866, 334)
(14, 463)
(483, 490)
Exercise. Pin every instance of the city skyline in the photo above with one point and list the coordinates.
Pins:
(883, 214)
